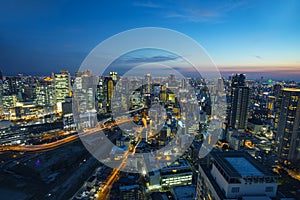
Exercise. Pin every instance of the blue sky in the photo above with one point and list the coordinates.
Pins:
(256, 37)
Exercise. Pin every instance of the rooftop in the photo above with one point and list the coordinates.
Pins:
(178, 164)
(243, 166)
(185, 192)
(238, 164)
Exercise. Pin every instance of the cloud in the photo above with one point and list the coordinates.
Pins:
(194, 15)
(282, 69)
(148, 4)
(258, 57)
(158, 63)
(194, 11)
(144, 59)
(205, 13)
(229, 6)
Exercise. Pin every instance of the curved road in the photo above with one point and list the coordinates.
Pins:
(52, 145)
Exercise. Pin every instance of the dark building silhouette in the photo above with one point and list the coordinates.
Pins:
(239, 102)
(288, 125)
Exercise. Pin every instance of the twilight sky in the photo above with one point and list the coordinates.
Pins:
(260, 38)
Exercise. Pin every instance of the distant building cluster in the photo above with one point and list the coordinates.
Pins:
(262, 119)
(28, 97)
(259, 134)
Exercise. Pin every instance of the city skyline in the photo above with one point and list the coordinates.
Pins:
(157, 130)
(148, 99)
(239, 36)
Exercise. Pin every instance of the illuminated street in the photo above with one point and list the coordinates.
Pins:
(150, 100)
(103, 193)
(52, 145)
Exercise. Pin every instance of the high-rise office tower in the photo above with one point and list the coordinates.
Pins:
(171, 81)
(67, 114)
(147, 83)
(83, 104)
(62, 86)
(183, 84)
(277, 90)
(114, 76)
(27, 92)
(1, 103)
(100, 96)
(1, 94)
(220, 86)
(85, 90)
(44, 94)
(110, 93)
(9, 101)
(105, 92)
(238, 80)
(14, 85)
(288, 125)
(163, 93)
(239, 102)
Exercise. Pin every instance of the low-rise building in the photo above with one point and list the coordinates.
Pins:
(234, 175)
(187, 192)
(177, 173)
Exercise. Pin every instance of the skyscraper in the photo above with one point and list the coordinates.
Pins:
(62, 86)
(171, 81)
(148, 80)
(85, 88)
(9, 101)
(105, 92)
(238, 80)
(288, 125)
(220, 85)
(83, 104)
(239, 102)
(14, 85)
(44, 94)
(100, 95)
(1, 94)
(114, 76)
(110, 94)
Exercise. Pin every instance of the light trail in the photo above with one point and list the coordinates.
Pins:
(55, 144)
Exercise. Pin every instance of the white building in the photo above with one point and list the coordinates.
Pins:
(234, 175)
(177, 173)
(84, 96)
